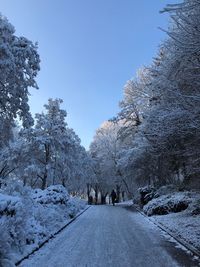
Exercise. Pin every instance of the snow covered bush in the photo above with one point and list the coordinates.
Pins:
(28, 217)
(15, 211)
(13, 224)
(168, 203)
(75, 205)
(194, 207)
(17, 208)
(147, 193)
(5, 245)
(54, 194)
(146, 189)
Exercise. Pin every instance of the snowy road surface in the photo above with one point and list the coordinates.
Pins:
(110, 236)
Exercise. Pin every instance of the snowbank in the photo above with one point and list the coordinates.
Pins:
(184, 224)
(29, 217)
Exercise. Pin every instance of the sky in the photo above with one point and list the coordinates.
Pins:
(88, 50)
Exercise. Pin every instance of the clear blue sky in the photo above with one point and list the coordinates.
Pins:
(88, 50)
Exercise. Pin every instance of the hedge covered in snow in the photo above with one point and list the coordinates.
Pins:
(174, 202)
(28, 217)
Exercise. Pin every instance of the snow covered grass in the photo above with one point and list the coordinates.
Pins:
(184, 224)
(29, 217)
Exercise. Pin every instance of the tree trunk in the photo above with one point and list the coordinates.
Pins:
(88, 194)
(63, 182)
(47, 158)
(44, 180)
(96, 193)
(118, 193)
(129, 193)
(103, 198)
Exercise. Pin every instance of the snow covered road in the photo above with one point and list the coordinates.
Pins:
(110, 236)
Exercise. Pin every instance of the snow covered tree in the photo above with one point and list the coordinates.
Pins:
(104, 151)
(173, 123)
(45, 140)
(134, 103)
(19, 64)
(55, 155)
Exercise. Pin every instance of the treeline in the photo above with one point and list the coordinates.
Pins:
(155, 139)
(41, 151)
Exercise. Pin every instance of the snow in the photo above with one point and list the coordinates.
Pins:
(29, 217)
(183, 225)
(189, 222)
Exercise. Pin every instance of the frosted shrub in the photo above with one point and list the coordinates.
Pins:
(75, 205)
(54, 194)
(5, 244)
(167, 203)
(12, 209)
(28, 217)
(16, 209)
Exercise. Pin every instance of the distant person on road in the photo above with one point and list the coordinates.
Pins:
(113, 196)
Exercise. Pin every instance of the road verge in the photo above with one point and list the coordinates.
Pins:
(193, 250)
